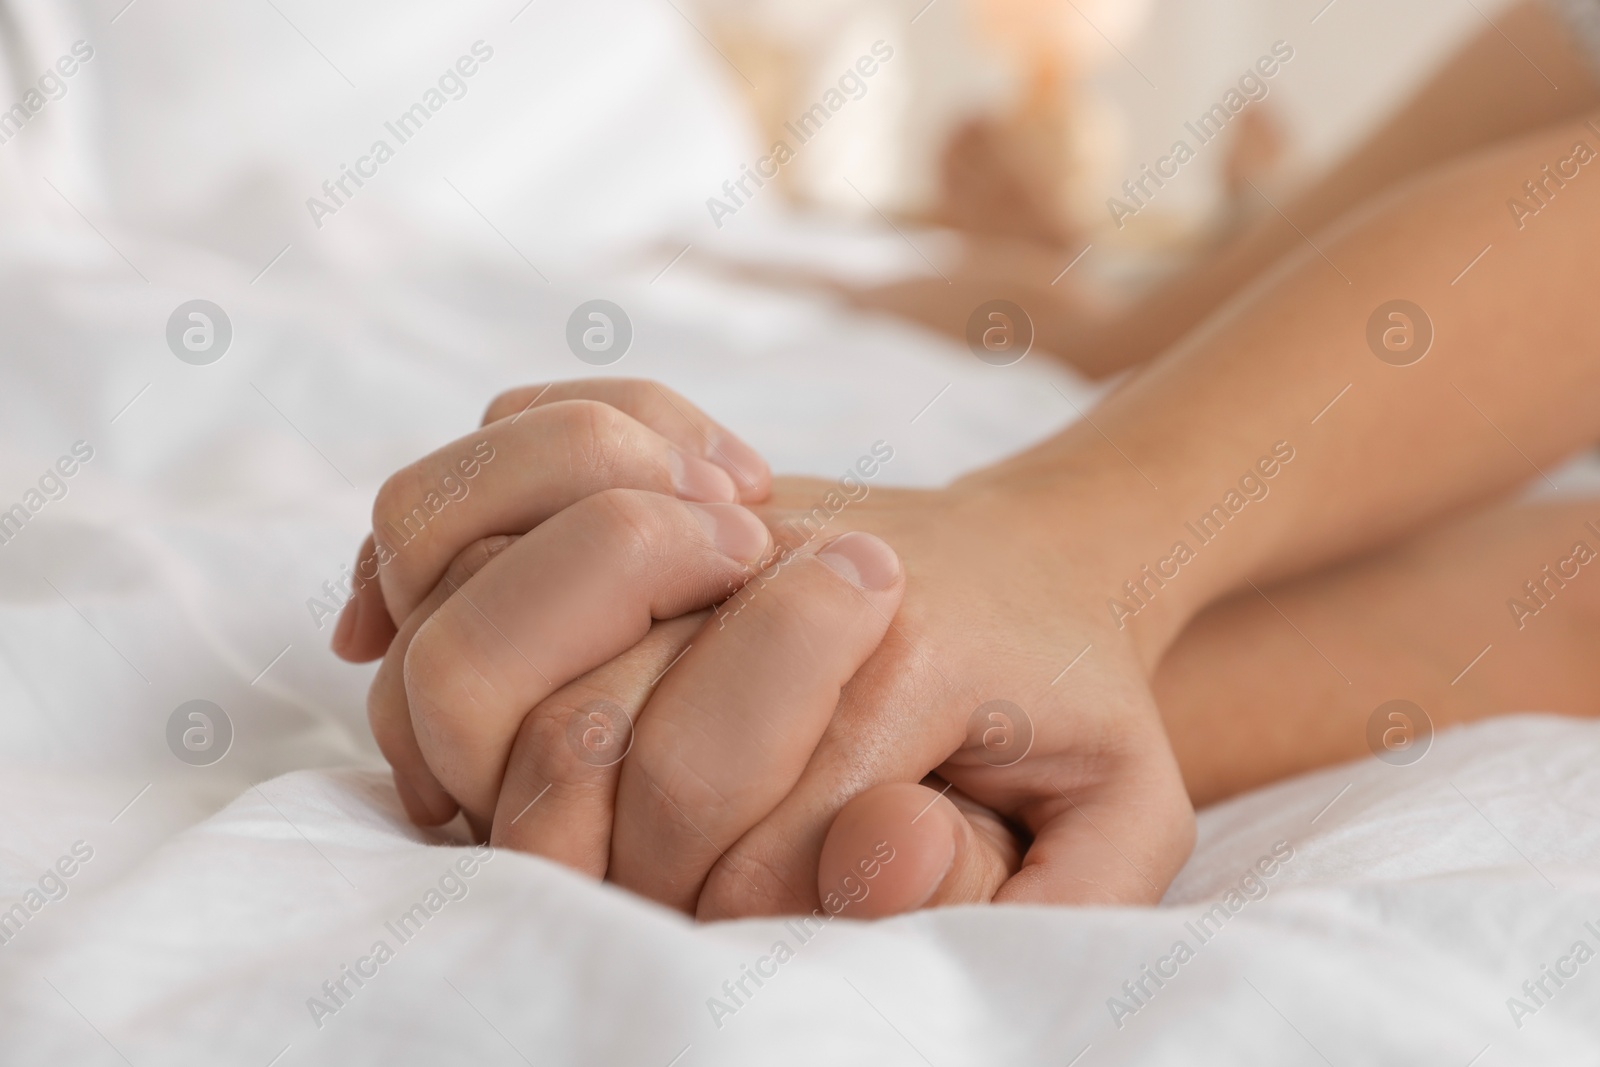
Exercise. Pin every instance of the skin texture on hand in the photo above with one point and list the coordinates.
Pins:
(1006, 576)
(1008, 573)
(633, 445)
(947, 849)
(788, 703)
(1245, 698)
(781, 687)
(563, 441)
(994, 611)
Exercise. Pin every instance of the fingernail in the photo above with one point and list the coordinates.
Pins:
(864, 560)
(346, 627)
(695, 479)
(736, 532)
(738, 459)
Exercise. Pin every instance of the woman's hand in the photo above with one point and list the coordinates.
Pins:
(540, 450)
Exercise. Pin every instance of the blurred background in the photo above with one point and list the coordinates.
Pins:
(593, 133)
(240, 314)
(562, 153)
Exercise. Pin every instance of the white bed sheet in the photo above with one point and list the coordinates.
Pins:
(219, 899)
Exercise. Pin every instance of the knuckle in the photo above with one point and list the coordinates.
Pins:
(510, 402)
(794, 617)
(394, 497)
(748, 881)
(680, 796)
(394, 509)
(426, 660)
(627, 524)
(438, 685)
(639, 393)
(539, 745)
(657, 395)
(555, 739)
(598, 446)
(593, 433)
(472, 559)
(388, 726)
(666, 406)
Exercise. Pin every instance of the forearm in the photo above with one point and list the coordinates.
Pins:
(1248, 700)
(1510, 384)
(1488, 91)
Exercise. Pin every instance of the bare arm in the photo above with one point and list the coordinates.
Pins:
(1503, 84)
(1509, 386)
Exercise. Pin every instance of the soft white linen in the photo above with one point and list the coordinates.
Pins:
(1394, 934)
(192, 540)
(219, 899)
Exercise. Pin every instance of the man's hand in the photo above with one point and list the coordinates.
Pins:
(761, 774)
(1002, 673)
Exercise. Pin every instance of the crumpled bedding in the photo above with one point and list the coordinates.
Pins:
(1403, 911)
(232, 912)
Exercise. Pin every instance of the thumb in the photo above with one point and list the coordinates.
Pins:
(899, 847)
(1119, 843)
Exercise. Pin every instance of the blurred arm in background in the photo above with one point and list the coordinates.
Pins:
(1519, 75)
(1525, 71)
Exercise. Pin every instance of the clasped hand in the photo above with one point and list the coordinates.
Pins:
(631, 650)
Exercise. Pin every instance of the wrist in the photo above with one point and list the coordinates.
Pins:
(1103, 537)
